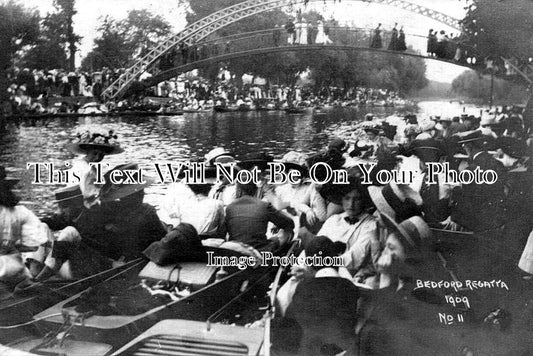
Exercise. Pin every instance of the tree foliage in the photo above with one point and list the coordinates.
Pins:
(56, 38)
(500, 28)
(476, 86)
(121, 42)
(19, 28)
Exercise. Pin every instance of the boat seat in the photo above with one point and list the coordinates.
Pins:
(195, 274)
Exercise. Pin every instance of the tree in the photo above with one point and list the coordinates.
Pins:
(57, 38)
(19, 27)
(477, 86)
(500, 28)
(121, 42)
(111, 49)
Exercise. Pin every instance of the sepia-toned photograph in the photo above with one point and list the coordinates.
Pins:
(266, 177)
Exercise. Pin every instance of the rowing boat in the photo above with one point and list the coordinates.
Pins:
(104, 317)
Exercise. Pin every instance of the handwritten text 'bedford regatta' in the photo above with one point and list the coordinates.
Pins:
(194, 173)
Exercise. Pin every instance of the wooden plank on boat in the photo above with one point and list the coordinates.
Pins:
(196, 274)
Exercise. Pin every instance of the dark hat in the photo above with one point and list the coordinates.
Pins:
(324, 247)
(337, 144)
(10, 181)
(95, 141)
(414, 233)
(411, 119)
(471, 118)
(111, 192)
(419, 145)
(469, 136)
(398, 201)
(259, 159)
(182, 244)
(374, 130)
(512, 146)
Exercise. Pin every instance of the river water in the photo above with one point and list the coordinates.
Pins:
(171, 139)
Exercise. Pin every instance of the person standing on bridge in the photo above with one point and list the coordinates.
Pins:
(276, 35)
(376, 39)
(432, 44)
(321, 37)
(303, 33)
(401, 41)
(289, 26)
(393, 44)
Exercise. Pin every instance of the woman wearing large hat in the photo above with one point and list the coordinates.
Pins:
(94, 147)
(398, 306)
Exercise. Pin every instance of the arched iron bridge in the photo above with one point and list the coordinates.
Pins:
(202, 28)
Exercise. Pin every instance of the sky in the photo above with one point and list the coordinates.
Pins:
(353, 13)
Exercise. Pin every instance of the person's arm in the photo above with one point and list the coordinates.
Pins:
(151, 229)
(361, 248)
(221, 219)
(279, 219)
(33, 231)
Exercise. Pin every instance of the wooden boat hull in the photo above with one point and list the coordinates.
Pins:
(117, 330)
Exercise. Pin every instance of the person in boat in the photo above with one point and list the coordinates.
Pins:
(224, 190)
(247, 219)
(356, 230)
(443, 132)
(259, 161)
(194, 207)
(479, 207)
(519, 210)
(23, 237)
(397, 305)
(94, 147)
(323, 310)
(116, 231)
(435, 198)
(301, 200)
(428, 130)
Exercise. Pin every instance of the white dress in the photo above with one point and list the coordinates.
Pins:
(303, 34)
(321, 37)
(298, 31)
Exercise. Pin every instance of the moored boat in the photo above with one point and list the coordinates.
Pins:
(106, 316)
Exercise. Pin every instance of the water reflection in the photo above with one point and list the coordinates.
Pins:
(159, 139)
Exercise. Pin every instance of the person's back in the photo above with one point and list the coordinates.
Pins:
(247, 217)
(326, 309)
(247, 220)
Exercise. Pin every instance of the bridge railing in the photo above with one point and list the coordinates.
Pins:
(453, 51)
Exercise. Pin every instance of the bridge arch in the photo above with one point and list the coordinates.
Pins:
(262, 41)
(224, 17)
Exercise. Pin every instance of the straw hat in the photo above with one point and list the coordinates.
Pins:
(398, 201)
(219, 155)
(414, 233)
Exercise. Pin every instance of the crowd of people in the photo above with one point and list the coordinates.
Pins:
(31, 90)
(381, 230)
